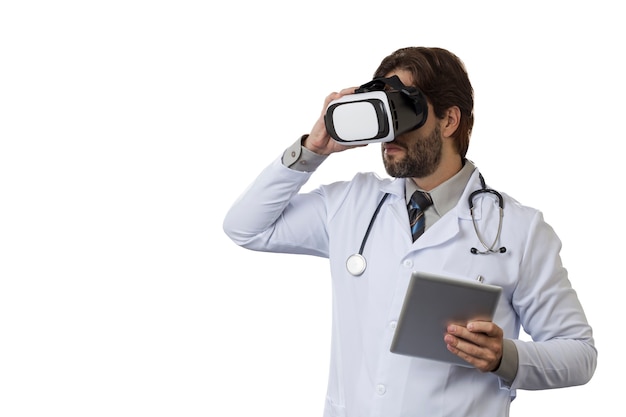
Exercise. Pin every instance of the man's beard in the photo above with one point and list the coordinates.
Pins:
(423, 155)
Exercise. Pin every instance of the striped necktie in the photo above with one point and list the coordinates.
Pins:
(419, 202)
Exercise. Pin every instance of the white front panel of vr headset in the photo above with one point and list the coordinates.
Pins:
(356, 122)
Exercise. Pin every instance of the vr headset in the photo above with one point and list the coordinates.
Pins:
(373, 114)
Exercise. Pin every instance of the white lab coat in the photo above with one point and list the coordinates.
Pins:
(365, 378)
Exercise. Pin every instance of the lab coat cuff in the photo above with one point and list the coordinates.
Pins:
(509, 363)
(299, 158)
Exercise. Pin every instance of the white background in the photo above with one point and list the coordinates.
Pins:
(128, 128)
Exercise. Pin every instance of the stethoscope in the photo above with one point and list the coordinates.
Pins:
(491, 248)
(356, 263)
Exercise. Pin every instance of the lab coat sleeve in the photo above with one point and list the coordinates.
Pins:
(562, 351)
(271, 215)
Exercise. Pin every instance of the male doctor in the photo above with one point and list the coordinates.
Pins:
(366, 379)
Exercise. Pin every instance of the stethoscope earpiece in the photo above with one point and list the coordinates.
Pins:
(488, 251)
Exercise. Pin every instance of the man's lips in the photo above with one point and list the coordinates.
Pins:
(391, 148)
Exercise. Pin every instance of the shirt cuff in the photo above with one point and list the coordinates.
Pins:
(299, 158)
(510, 361)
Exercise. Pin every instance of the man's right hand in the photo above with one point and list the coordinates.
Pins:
(319, 141)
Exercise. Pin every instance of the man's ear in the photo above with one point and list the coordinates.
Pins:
(450, 121)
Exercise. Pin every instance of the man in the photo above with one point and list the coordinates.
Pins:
(366, 379)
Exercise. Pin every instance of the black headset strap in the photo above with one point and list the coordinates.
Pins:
(378, 84)
(413, 94)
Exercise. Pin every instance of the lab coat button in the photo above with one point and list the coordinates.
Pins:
(380, 389)
(393, 324)
(408, 263)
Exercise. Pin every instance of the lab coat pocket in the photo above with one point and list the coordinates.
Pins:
(333, 409)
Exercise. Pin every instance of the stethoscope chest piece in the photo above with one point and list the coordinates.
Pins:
(356, 264)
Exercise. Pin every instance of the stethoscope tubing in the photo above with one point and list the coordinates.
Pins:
(369, 227)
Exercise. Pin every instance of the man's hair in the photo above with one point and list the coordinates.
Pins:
(443, 79)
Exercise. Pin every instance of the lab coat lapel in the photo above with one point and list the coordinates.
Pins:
(398, 204)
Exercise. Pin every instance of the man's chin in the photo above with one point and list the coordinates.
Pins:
(393, 169)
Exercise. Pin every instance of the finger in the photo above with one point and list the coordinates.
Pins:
(486, 327)
(332, 96)
(485, 350)
(459, 348)
(462, 332)
(462, 345)
(476, 344)
(480, 326)
(480, 358)
(346, 91)
(479, 342)
(336, 95)
(479, 363)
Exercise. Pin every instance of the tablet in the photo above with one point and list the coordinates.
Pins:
(431, 303)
